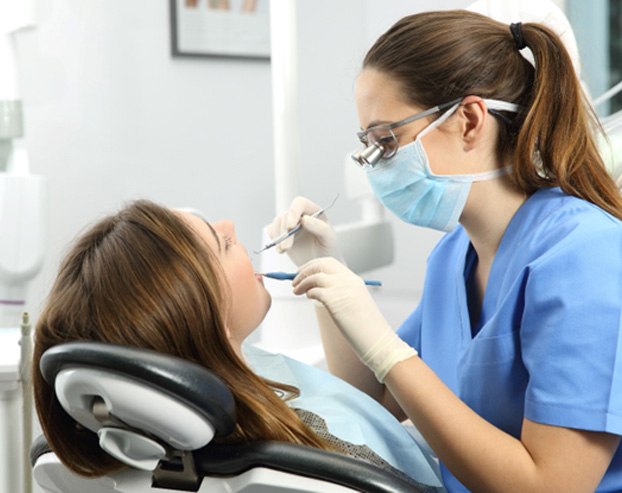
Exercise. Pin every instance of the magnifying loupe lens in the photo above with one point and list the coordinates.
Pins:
(369, 156)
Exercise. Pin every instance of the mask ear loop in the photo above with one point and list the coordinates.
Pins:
(487, 175)
(436, 123)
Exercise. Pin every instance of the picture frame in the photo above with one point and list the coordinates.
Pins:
(220, 28)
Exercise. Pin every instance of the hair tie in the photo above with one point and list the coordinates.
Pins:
(517, 33)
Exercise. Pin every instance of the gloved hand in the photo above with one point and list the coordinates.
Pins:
(351, 306)
(316, 238)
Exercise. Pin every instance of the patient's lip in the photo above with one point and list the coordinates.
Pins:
(259, 277)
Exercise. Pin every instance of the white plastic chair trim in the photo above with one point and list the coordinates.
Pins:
(131, 448)
(53, 477)
(139, 406)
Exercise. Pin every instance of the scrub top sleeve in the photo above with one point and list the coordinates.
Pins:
(571, 334)
(410, 330)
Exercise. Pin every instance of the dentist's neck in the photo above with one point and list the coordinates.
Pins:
(489, 210)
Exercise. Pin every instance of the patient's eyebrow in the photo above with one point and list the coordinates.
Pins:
(215, 235)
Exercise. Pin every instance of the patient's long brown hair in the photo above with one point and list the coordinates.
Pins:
(142, 278)
(441, 56)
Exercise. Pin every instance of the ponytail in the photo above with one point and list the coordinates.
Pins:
(555, 145)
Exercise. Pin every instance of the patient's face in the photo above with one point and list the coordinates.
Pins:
(250, 299)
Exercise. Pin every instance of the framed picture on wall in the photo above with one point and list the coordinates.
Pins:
(220, 28)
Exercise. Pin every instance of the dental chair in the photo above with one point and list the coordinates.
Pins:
(158, 414)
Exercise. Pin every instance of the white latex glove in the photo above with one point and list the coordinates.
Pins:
(316, 238)
(351, 306)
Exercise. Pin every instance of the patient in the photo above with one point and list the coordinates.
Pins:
(167, 280)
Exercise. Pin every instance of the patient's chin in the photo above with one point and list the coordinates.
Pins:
(267, 308)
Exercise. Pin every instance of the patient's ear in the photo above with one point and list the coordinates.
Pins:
(231, 338)
(234, 343)
(228, 333)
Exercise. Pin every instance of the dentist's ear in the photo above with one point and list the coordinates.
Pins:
(473, 114)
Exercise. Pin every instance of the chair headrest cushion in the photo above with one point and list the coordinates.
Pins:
(192, 384)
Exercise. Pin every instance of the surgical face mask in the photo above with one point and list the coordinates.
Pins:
(407, 187)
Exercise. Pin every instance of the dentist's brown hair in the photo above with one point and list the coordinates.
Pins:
(143, 278)
(437, 57)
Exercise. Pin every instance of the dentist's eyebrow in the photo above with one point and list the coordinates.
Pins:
(376, 123)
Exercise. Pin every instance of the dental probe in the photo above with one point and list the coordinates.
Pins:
(295, 229)
(288, 276)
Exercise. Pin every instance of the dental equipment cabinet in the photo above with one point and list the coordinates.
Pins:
(21, 256)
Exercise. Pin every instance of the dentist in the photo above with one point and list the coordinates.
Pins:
(511, 364)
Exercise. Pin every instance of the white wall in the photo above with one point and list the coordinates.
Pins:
(591, 28)
(111, 116)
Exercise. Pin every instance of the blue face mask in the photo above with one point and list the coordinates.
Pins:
(407, 187)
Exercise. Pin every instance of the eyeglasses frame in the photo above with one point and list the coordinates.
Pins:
(362, 135)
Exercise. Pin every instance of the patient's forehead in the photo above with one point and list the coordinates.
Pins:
(201, 227)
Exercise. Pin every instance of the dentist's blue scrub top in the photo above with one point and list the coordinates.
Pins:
(548, 345)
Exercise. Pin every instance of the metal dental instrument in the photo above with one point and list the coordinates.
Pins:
(295, 229)
(288, 276)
